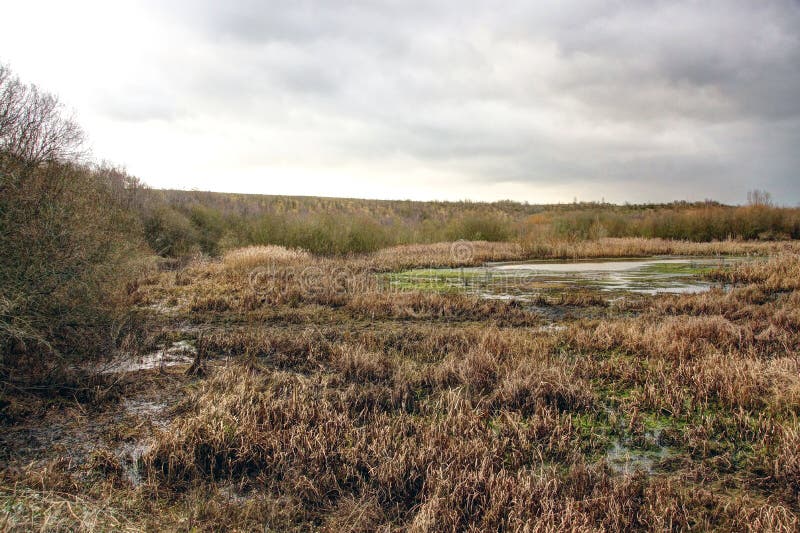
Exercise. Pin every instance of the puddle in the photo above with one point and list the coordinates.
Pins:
(626, 459)
(629, 453)
(155, 412)
(130, 457)
(130, 453)
(163, 308)
(232, 493)
(525, 281)
(178, 353)
(547, 328)
(490, 296)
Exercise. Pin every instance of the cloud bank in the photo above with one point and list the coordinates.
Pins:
(537, 101)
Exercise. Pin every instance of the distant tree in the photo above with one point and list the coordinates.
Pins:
(760, 198)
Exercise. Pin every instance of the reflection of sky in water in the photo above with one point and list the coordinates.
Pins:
(518, 280)
(600, 266)
(641, 276)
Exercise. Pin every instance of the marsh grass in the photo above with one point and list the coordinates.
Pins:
(361, 410)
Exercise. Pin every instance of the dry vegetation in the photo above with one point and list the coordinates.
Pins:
(181, 222)
(346, 408)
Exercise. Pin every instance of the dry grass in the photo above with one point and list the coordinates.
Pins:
(479, 252)
(641, 247)
(781, 273)
(363, 410)
(253, 256)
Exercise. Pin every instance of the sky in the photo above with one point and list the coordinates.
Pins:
(539, 101)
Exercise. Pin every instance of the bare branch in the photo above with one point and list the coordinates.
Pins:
(33, 124)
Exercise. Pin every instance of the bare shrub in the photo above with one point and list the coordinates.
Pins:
(68, 242)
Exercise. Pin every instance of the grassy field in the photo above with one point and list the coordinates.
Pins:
(303, 395)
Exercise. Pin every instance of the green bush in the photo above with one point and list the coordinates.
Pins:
(479, 227)
(169, 233)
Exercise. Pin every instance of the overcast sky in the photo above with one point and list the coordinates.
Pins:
(536, 100)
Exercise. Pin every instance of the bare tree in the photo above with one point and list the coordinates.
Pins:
(757, 197)
(11, 97)
(127, 190)
(34, 127)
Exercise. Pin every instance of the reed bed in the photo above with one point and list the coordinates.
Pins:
(253, 256)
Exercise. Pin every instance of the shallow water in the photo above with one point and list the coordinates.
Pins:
(179, 353)
(647, 276)
(523, 281)
(625, 459)
(130, 456)
(598, 266)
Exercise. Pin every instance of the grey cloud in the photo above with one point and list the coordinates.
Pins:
(749, 51)
(661, 93)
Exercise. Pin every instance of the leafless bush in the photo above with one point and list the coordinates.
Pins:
(34, 127)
